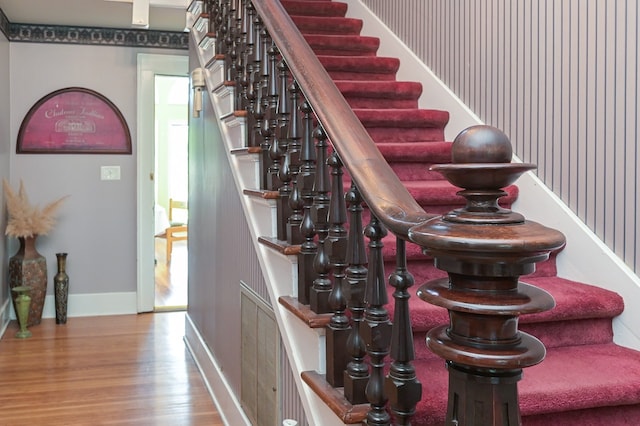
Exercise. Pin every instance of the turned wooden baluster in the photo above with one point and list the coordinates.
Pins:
(356, 374)
(319, 292)
(249, 95)
(376, 328)
(401, 386)
(283, 211)
(337, 331)
(254, 93)
(230, 37)
(278, 145)
(306, 177)
(237, 53)
(221, 26)
(484, 249)
(263, 108)
(211, 8)
(296, 202)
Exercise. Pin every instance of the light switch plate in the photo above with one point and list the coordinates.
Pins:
(110, 173)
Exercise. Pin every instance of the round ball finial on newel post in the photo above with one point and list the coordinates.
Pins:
(484, 248)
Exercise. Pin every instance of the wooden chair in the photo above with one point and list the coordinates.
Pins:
(177, 231)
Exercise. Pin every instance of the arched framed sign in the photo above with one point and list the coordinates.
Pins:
(74, 120)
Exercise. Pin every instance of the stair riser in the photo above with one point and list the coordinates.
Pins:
(372, 103)
(361, 76)
(414, 171)
(332, 45)
(329, 51)
(590, 331)
(381, 134)
(619, 415)
(570, 333)
(331, 26)
(334, 9)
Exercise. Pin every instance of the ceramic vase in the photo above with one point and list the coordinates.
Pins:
(61, 288)
(28, 268)
(23, 301)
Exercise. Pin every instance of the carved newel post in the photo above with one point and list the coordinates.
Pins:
(484, 249)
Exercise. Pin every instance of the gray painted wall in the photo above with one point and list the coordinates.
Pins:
(215, 224)
(5, 132)
(97, 224)
(222, 255)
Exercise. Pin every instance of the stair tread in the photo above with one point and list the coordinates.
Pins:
(360, 64)
(574, 300)
(439, 192)
(327, 25)
(423, 152)
(314, 8)
(402, 118)
(343, 45)
(380, 89)
(613, 371)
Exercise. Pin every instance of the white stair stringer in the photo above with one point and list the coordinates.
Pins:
(305, 346)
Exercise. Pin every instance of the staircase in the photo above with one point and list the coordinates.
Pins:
(585, 379)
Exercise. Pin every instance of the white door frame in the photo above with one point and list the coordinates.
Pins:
(149, 65)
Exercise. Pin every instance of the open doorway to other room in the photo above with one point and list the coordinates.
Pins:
(171, 192)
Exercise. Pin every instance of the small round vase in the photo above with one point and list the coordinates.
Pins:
(61, 288)
(22, 301)
(28, 268)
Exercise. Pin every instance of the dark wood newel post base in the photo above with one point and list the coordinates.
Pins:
(484, 248)
(482, 399)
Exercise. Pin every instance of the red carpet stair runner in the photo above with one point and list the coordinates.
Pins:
(585, 379)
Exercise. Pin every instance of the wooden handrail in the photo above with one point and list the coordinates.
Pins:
(383, 192)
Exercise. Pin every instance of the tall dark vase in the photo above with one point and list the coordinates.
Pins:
(29, 268)
(61, 288)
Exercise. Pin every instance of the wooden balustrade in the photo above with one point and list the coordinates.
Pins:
(333, 271)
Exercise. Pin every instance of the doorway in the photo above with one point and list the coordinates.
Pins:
(171, 117)
(151, 66)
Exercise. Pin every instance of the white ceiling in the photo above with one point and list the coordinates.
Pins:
(166, 15)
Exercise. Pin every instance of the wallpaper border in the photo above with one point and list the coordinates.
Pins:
(4, 24)
(33, 33)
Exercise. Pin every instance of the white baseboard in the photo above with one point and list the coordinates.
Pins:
(221, 392)
(90, 305)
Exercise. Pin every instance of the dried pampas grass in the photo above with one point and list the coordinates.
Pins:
(26, 220)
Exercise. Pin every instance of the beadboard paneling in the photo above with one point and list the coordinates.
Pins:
(560, 78)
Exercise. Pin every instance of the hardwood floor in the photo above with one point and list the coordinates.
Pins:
(171, 278)
(115, 370)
